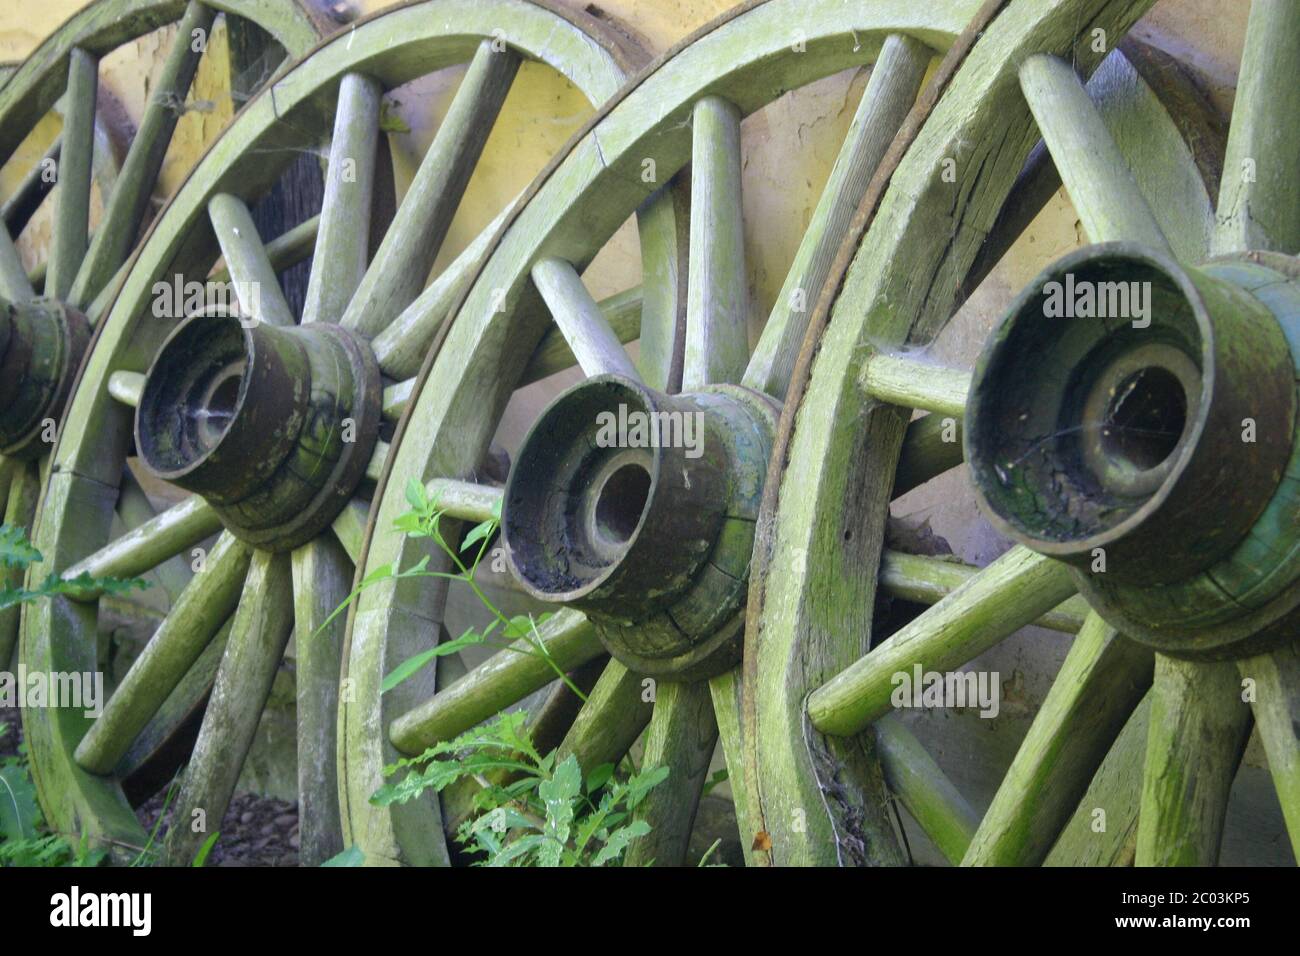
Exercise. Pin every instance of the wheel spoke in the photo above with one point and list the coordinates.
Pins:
(622, 312)
(1198, 733)
(339, 261)
(726, 689)
(322, 578)
(548, 723)
(660, 320)
(179, 527)
(1277, 714)
(931, 446)
(503, 680)
(1101, 185)
(256, 286)
(150, 763)
(198, 614)
(1103, 830)
(14, 284)
(19, 208)
(285, 250)
(717, 343)
(1011, 592)
(400, 347)
(126, 387)
(108, 294)
(134, 509)
(350, 527)
(925, 791)
(125, 207)
(465, 500)
(1259, 205)
(926, 580)
(581, 321)
(322, 569)
(1103, 679)
(895, 81)
(914, 384)
(375, 466)
(258, 638)
(72, 207)
(404, 258)
(610, 722)
(682, 737)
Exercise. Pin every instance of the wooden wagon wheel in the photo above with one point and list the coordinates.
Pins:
(274, 426)
(1122, 456)
(49, 315)
(648, 550)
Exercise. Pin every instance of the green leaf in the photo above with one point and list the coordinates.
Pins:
(201, 857)
(718, 777)
(381, 573)
(599, 777)
(638, 785)
(480, 532)
(521, 625)
(352, 856)
(19, 814)
(519, 847)
(416, 496)
(409, 667)
(15, 550)
(558, 797)
(618, 841)
(409, 523)
(82, 586)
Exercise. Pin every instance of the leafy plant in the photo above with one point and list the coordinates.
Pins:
(17, 553)
(23, 840)
(518, 634)
(531, 809)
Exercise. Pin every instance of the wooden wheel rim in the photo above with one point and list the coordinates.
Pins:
(31, 89)
(455, 421)
(983, 107)
(93, 444)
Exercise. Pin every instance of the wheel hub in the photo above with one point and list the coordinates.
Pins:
(1153, 452)
(42, 342)
(273, 426)
(638, 508)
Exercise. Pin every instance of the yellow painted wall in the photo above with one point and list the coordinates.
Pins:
(790, 146)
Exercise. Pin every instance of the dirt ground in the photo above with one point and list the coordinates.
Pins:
(256, 831)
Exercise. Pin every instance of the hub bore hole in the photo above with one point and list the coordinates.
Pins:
(1145, 418)
(621, 501)
(217, 410)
